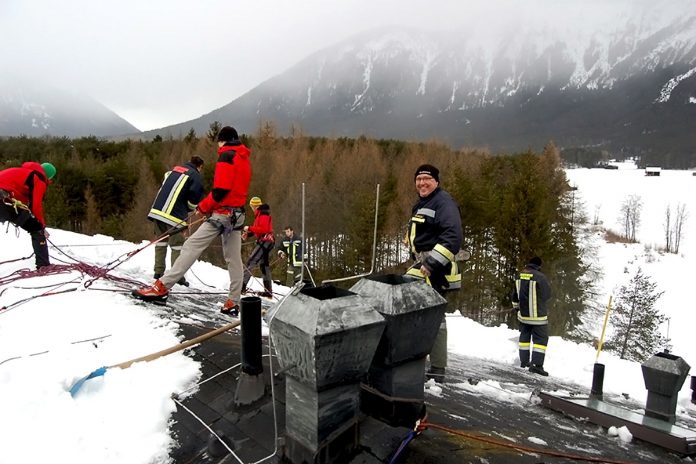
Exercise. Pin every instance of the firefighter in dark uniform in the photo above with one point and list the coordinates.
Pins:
(291, 247)
(434, 238)
(532, 292)
(178, 196)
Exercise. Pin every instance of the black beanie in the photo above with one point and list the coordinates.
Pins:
(536, 261)
(227, 134)
(430, 170)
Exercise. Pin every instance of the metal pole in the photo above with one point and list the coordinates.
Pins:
(304, 237)
(374, 248)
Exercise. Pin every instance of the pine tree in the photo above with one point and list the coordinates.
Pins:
(213, 130)
(636, 320)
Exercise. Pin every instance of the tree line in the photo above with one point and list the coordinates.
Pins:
(513, 206)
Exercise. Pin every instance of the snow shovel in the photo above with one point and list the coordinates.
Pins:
(102, 370)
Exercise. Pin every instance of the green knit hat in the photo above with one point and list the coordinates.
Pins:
(49, 169)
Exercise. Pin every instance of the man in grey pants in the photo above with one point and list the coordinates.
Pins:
(224, 207)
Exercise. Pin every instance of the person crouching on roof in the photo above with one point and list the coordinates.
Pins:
(22, 191)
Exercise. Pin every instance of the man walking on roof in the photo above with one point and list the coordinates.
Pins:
(265, 240)
(179, 194)
(224, 207)
(532, 292)
(291, 247)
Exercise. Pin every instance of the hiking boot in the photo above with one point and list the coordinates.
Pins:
(183, 282)
(436, 373)
(524, 364)
(155, 292)
(231, 308)
(536, 369)
(265, 294)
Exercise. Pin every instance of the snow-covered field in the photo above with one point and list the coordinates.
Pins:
(124, 415)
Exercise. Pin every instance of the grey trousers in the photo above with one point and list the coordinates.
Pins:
(217, 224)
(438, 355)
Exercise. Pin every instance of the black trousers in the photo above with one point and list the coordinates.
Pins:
(24, 219)
(260, 257)
(533, 340)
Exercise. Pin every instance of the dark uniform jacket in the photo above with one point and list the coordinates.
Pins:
(434, 238)
(179, 194)
(532, 291)
(293, 249)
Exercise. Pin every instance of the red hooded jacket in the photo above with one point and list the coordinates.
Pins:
(263, 225)
(232, 175)
(27, 184)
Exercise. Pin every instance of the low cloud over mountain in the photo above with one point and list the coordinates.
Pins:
(37, 110)
(630, 86)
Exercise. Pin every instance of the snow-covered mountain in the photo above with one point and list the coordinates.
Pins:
(34, 110)
(626, 80)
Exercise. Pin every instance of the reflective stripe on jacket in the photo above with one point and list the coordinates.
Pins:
(179, 194)
(532, 291)
(293, 249)
(434, 238)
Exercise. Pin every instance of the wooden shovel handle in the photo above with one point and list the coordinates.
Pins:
(179, 347)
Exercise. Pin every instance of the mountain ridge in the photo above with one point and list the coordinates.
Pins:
(632, 88)
(35, 110)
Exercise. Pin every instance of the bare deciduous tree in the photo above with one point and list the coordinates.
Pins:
(669, 232)
(630, 216)
(674, 226)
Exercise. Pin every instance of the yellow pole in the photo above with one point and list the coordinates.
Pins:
(604, 327)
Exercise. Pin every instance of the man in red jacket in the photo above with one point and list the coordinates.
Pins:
(263, 230)
(224, 207)
(21, 203)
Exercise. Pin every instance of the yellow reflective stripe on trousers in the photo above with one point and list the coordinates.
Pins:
(539, 348)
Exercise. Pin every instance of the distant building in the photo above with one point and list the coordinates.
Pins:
(653, 170)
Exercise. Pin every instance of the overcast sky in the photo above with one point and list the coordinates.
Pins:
(160, 62)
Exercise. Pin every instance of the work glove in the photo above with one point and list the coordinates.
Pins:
(281, 253)
(439, 281)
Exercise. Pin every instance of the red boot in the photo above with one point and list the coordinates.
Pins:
(231, 308)
(156, 292)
